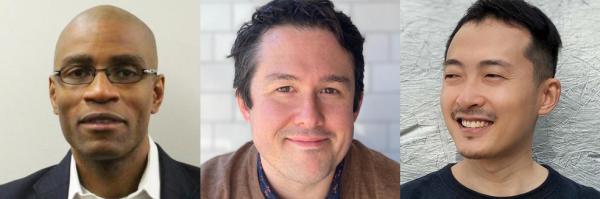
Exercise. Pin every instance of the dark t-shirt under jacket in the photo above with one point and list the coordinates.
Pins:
(442, 184)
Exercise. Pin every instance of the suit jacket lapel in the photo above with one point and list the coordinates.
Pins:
(175, 182)
(55, 183)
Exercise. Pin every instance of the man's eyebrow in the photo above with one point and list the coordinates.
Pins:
(453, 62)
(127, 59)
(494, 62)
(77, 59)
(336, 78)
(329, 78)
(484, 63)
(281, 76)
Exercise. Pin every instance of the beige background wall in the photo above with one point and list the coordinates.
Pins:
(30, 135)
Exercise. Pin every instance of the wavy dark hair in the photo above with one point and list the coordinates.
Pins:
(301, 13)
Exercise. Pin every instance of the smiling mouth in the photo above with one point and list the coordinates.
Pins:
(308, 142)
(474, 123)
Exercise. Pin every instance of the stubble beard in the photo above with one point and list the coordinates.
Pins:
(307, 166)
(304, 171)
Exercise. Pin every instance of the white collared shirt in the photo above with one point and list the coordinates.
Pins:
(149, 187)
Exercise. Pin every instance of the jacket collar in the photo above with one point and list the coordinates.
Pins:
(175, 181)
(55, 184)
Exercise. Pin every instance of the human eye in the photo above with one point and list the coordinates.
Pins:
(77, 72)
(284, 89)
(450, 76)
(494, 76)
(330, 91)
(125, 73)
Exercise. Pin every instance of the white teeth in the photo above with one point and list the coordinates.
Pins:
(475, 124)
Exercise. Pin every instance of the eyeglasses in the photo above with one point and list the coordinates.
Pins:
(77, 75)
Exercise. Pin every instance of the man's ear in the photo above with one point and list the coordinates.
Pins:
(549, 95)
(158, 93)
(360, 99)
(242, 106)
(52, 89)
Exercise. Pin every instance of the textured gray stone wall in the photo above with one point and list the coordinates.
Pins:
(568, 139)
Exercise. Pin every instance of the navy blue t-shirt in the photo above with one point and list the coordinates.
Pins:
(442, 184)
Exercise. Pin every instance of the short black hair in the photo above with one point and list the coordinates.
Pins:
(545, 40)
(301, 13)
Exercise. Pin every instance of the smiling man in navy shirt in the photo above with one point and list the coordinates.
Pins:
(498, 78)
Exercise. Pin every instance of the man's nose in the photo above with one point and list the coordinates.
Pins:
(101, 90)
(471, 95)
(309, 114)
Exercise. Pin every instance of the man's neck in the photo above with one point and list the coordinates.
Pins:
(503, 176)
(116, 178)
(289, 189)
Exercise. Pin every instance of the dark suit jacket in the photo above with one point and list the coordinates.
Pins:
(177, 180)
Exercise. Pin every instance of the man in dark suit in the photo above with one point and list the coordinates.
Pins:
(104, 89)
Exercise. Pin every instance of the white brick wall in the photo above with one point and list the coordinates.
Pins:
(380, 16)
(222, 126)
(215, 17)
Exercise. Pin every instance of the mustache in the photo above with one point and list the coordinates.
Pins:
(472, 111)
(316, 132)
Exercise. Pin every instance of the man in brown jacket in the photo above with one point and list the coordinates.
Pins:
(299, 83)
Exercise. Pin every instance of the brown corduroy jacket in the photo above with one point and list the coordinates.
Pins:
(367, 174)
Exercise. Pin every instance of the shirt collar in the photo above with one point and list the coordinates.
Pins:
(269, 193)
(149, 185)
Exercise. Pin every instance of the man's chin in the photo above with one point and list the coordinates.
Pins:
(101, 153)
(476, 154)
(307, 173)
(308, 169)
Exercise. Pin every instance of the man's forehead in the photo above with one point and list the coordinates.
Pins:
(489, 39)
(94, 32)
(101, 18)
(106, 12)
(311, 43)
(90, 41)
(480, 31)
(112, 59)
(105, 29)
(290, 33)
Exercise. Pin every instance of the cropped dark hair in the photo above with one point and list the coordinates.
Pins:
(545, 40)
(301, 13)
